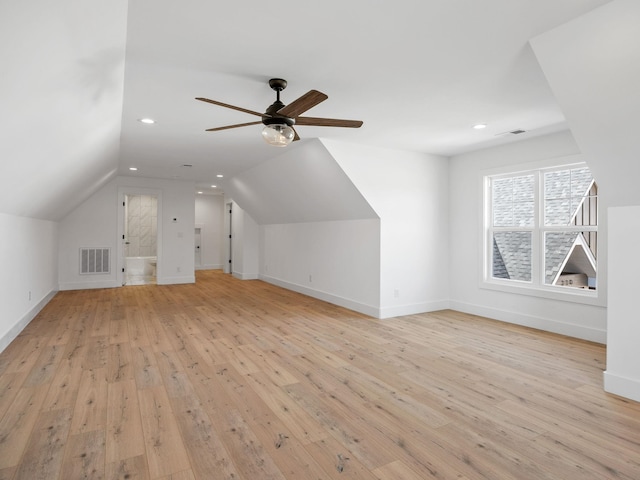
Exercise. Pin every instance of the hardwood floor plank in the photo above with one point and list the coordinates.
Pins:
(90, 410)
(84, 456)
(397, 471)
(246, 451)
(301, 421)
(124, 429)
(146, 370)
(44, 454)
(133, 468)
(18, 423)
(164, 448)
(120, 363)
(202, 440)
(333, 457)
(184, 475)
(10, 384)
(43, 369)
(64, 388)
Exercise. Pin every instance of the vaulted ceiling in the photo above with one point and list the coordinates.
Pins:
(78, 75)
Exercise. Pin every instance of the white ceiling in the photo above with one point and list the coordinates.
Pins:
(419, 74)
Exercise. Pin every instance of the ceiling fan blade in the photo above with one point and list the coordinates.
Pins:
(233, 107)
(328, 122)
(297, 137)
(231, 126)
(302, 104)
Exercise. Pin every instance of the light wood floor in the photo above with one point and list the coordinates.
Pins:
(230, 379)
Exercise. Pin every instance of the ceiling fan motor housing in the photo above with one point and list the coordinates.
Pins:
(271, 116)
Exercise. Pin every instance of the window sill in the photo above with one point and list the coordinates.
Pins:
(563, 294)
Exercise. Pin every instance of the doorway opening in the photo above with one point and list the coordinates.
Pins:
(140, 239)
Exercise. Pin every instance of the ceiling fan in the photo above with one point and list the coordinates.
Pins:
(279, 118)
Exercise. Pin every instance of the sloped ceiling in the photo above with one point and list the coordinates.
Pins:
(419, 74)
(303, 185)
(61, 91)
(593, 67)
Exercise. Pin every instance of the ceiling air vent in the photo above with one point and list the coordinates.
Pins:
(95, 260)
(512, 132)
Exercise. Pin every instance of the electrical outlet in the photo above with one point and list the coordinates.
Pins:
(178, 269)
(310, 278)
(396, 293)
(29, 295)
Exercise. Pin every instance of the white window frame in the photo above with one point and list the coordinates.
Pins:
(535, 287)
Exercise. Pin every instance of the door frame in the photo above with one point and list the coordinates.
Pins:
(202, 228)
(122, 193)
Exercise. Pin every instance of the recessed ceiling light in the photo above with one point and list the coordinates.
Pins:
(147, 120)
(479, 126)
(199, 193)
(133, 169)
(214, 186)
(220, 176)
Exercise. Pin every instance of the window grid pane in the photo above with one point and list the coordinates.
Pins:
(512, 255)
(513, 201)
(564, 194)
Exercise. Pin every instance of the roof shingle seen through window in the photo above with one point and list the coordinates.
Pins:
(513, 206)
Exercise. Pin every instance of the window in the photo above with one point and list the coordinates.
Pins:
(542, 229)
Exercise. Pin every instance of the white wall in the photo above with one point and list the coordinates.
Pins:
(466, 293)
(408, 191)
(28, 255)
(623, 376)
(209, 215)
(98, 222)
(245, 236)
(338, 261)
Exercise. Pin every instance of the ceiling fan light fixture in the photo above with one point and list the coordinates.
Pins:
(278, 135)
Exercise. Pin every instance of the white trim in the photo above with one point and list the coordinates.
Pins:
(210, 266)
(555, 292)
(21, 324)
(246, 276)
(563, 328)
(89, 285)
(622, 386)
(176, 280)
(412, 309)
(324, 296)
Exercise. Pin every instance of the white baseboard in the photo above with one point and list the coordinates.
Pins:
(210, 267)
(549, 325)
(246, 276)
(622, 386)
(176, 280)
(88, 285)
(327, 297)
(413, 309)
(20, 325)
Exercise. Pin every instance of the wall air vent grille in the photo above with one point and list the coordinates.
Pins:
(95, 260)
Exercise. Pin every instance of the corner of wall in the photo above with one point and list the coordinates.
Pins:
(20, 325)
